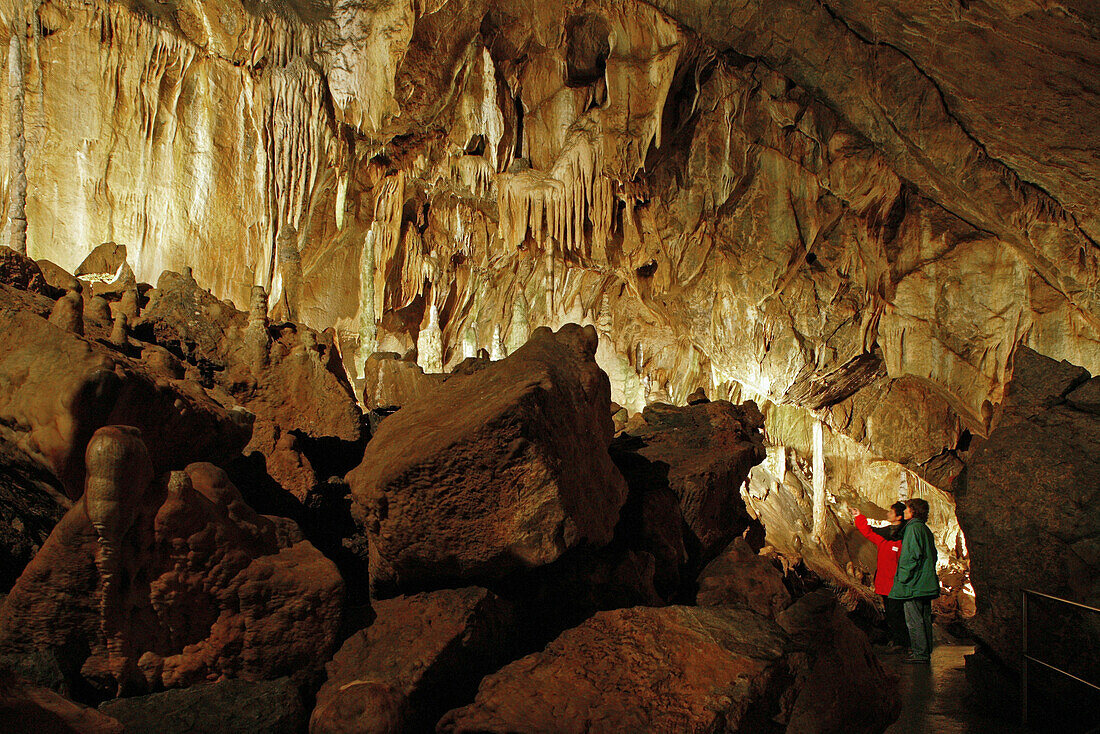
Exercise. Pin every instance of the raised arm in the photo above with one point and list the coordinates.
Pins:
(865, 530)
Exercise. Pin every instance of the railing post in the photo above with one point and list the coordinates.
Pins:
(1023, 666)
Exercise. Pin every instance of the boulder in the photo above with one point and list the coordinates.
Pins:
(506, 468)
(225, 707)
(28, 708)
(703, 453)
(104, 260)
(19, 271)
(422, 656)
(739, 576)
(32, 501)
(60, 386)
(390, 382)
(59, 277)
(171, 582)
(669, 669)
(1026, 503)
(835, 662)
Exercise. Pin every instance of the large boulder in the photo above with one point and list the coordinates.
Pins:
(422, 656)
(642, 669)
(502, 469)
(60, 386)
(692, 669)
(739, 576)
(19, 271)
(703, 453)
(225, 707)
(28, 708)
(1027, 503)
(835, 661)
(171, 582)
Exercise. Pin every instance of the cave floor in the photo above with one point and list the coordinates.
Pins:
(936, 698)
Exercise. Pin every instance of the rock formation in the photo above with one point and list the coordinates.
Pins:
(421, 656)
(171, 582)
(512, 473)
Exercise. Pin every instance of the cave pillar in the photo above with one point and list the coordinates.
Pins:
(820, 498)
(17, 197)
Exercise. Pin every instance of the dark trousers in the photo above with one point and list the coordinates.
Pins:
(918, 618)
(895, 621)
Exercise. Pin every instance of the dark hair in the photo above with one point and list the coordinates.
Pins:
(898, 508)
(919, 508)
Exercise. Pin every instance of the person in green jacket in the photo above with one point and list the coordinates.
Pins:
(915, 582)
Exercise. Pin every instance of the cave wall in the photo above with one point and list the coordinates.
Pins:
(855, 210)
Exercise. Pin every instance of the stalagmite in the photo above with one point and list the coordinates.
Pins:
(120, 331)
(368, 324)
(68, 313)
(496, 347)
(820, 498)
(118, 472)
(17, 193)
(256, 331)
(520, 328)
(429, 343)
(290, 266)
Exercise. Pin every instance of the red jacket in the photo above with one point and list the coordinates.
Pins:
(888, 553)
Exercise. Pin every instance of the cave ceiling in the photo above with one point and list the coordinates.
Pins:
(858, 208)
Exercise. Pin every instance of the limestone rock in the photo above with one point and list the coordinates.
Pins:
(28, 708)
(666, 669)
(58, 277)
(228, 706)
(221, 590)
(421, 656)
(706, 451)
(19, 271)
(839, 660)
(739, 576)
(60, 387)
(294, 383)
(503, 469)
(389, 381)
(1046, 536)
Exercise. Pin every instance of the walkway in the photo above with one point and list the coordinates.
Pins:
(936, 698)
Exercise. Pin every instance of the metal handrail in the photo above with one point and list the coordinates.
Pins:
(1028, 658)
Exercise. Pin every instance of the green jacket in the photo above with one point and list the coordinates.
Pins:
(916, 576)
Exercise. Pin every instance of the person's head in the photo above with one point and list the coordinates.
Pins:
(916, 509)
(895, 513)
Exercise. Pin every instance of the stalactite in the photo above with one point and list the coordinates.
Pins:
(820, 498)
(368, 324)
(17, 196)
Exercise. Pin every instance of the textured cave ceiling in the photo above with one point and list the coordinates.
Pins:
(856, 210)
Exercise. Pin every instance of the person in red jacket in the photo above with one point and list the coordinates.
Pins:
(888, 540)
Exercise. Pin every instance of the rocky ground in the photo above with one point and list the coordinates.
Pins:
(203, 534)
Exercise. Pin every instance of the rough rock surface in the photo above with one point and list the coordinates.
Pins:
(502, 469)
(32, 501)
(226, 707)
(19, 271)
(739, 576)
(690, 669)
(839, 661)
(642, 669)
(1027, 500)
(60, 387)
(390, 382)
(421, 656)
(704, 453)
(28, 708)
(171, 582)
(287, 375)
